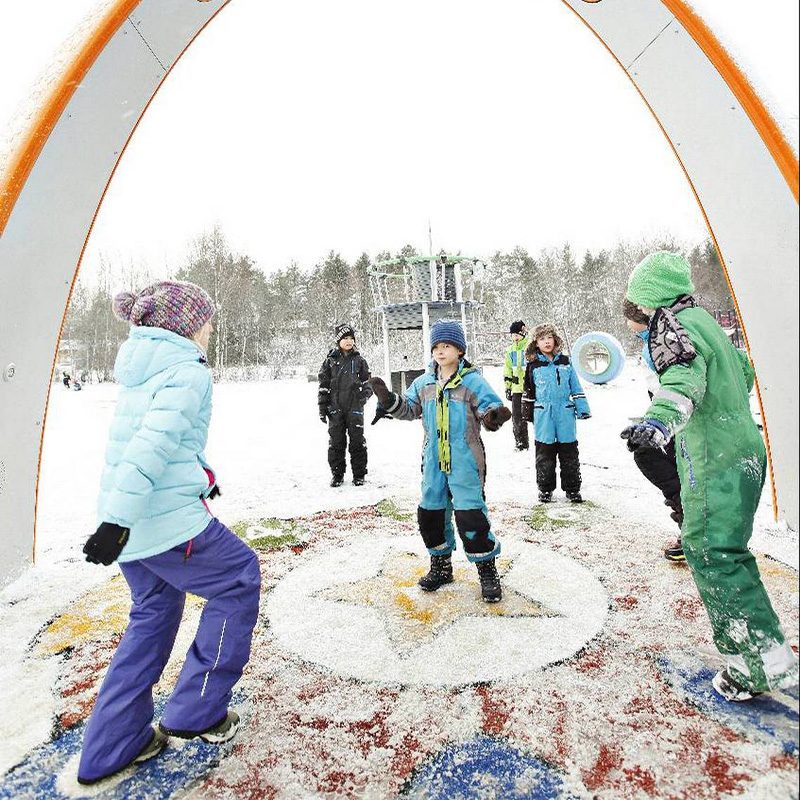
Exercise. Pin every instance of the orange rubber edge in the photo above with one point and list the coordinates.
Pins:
(34, 143)
(776, 144)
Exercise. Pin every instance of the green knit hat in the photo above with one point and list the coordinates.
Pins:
(659, 280)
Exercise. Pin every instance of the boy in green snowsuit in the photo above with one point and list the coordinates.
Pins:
(703, 403)
(513, 376)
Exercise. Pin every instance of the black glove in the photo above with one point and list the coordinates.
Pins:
(323, 414)
(106, 543)
(215, 492)
(380, 413)
(364, 392)
(647, 433)
(386, 398)
(495, 417)
(509, 394)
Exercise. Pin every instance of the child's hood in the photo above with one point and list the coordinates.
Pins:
(148, 351)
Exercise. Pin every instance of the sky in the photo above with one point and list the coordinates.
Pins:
(312, 126)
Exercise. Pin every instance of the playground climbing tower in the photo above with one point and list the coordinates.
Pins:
(411, 293)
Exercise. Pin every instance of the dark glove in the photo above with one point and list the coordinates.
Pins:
(380, 413)
(647, 433)
(584, 416)
(386, 398)
(364, 392)
(495, 417)
(509, 394)
(106, 543)
(323, 415)
(215, 492)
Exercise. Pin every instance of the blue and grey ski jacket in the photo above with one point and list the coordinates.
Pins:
(467, 401)
(554, 398)
(155, 470)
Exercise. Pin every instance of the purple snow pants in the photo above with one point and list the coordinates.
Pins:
(223, 570)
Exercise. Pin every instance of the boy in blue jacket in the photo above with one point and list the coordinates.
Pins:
(453, 400)
(554, 398)
(155, 522)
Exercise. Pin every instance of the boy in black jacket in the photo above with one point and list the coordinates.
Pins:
(342, 393)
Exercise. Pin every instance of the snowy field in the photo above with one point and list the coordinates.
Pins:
(406, 694)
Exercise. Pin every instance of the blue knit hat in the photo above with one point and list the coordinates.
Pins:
(450, 331)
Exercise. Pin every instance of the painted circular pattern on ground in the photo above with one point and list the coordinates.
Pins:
(359, 612)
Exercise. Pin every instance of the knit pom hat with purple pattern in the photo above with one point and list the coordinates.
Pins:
(177, 306)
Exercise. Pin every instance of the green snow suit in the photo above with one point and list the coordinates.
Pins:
(721, 460)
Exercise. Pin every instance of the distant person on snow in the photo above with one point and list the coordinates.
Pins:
(703, 404)
(514, 377)
(657, 465)
(554, 398)
(343, 390)
(155, 522)
(451, 398)
(66, 380)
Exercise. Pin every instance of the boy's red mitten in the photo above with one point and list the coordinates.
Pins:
(495, 417)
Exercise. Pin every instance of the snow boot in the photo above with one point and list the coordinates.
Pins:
(156, 744)
(358, 481)
(491, 591)
(574, 497)
(545, 497)
(337, 480)
(728, 687)
(440, 573)
(222, 731)
(675, 553)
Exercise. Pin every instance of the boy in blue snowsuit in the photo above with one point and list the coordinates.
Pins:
(155, 522)
(453, 400)
(554, 398)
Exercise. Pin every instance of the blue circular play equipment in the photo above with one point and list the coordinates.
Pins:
(597, 357)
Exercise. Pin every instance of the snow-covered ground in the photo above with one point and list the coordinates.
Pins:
(269, 449)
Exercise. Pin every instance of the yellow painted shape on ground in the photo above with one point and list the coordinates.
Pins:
(100, 614)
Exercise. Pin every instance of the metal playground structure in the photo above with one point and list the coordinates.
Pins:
(411, 293)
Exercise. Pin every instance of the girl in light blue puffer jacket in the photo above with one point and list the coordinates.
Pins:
(155, 522)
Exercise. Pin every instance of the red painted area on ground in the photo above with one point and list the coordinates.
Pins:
(721, 771)
(494, 708)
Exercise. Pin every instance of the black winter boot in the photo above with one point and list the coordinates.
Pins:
(491, 592)
(440, 573)
(337, 480)
(675, 553)
(545, 497)
(574, 497)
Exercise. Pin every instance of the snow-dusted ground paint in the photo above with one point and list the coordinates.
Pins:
(628, 715)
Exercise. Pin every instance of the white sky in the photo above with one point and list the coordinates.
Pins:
(307, 126)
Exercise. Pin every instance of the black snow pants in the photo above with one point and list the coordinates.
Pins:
(567, 454)
(659, 467)
(518, 422)
(341, 426)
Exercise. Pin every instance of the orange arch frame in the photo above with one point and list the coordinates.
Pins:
(29, 148)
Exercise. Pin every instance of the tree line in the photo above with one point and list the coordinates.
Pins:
(280, 324)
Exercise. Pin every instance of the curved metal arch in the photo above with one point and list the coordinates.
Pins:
(62, 167)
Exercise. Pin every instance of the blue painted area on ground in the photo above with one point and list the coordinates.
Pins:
(176, 768)
(764, 717)
(486, 767)
(42, 773)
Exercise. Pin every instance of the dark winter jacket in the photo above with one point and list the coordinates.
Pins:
(553, 398)
(342, 379)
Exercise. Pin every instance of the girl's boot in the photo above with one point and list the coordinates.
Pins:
(440, 573)
(491, 592)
